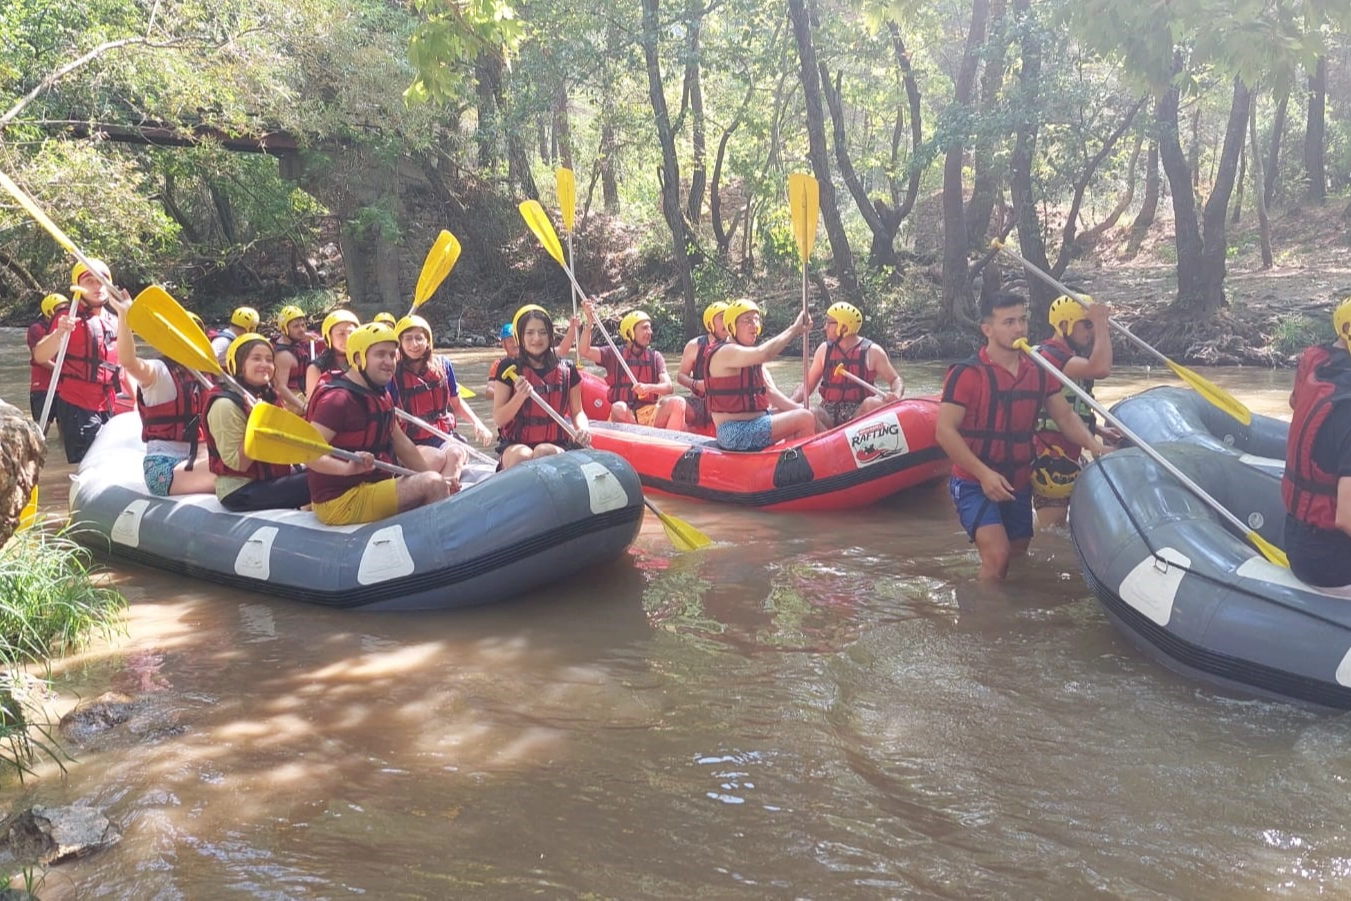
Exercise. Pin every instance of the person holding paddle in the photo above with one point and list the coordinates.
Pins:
(40, 374)
(986, 420)
(648, 400)
(291, 353)
(425, 386)
(740, 392)
(333, 361)
(244, 484)
(87, 380)
(846, 351)
(694, 364)
(527, 431)
(354, 412)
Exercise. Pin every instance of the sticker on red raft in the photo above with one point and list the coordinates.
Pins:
(875, 438)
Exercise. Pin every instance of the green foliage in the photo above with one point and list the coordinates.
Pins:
(452, 36)
(1294, 332)
(778, 244)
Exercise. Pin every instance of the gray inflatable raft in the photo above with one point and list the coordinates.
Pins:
(505, 535)
(1193, 593)
(1181, 414)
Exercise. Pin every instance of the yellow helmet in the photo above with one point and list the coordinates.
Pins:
(76, 292)
(197, 321)
(289, 314)
(1067, 310)
(246, 318)
(738, 308)
(332, 319)
(51, 303)
(385, 319)
(1341, 320)
(629, 324)
(711, 313)
(848, 317)
(528, 308)
(1053, 473)
(231, 364)
(410, 322)
(364, 338)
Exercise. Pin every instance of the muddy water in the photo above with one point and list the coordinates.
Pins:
(820, 706)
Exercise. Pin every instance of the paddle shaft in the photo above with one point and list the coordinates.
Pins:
(444, 436)
(1135, 439)
(840, 370)
(379, 464)
(56, 377)
(806, 336)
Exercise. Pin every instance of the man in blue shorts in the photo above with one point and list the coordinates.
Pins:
(985, 424)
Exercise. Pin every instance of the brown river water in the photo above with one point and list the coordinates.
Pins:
(819, 706)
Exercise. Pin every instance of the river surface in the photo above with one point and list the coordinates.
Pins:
(820, 706)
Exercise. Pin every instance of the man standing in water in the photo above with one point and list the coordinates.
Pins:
(985, 424)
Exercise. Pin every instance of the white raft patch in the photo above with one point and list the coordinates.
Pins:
(385, 557)
(127, 529)
(606, 492)
(255, 557)
(1151, 587)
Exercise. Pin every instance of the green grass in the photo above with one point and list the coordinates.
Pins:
(1297, 331)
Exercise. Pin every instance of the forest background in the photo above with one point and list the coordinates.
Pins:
(1187, 161)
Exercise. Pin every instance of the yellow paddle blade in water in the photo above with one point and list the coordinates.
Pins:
(804, 201)
(567, 197)
(440, 260)
(276, 435)
(683, 535)
(538, 222)
(168, 328)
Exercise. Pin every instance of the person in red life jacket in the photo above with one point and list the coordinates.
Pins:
(511, 350)
(1082, 349)
(244, 484)
(333, 361)
(650, 401)
(242, 320)
(40, 374)
(292, 353)
(843, 399)
(355, 412)
(87, 384)
(986, 420)
(170, 398)
(527, 432)
(425, 386)
(694, 364)
(739, 390)
(1316, 485)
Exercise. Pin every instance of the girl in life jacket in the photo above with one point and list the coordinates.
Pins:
(244, 484)
(527, 430)
(170, 400)
(424, 386)
(333, 361)
(293, 351)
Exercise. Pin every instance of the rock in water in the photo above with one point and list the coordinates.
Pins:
(24, 451)
(50, 835)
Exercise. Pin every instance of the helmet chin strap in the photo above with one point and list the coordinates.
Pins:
(361, 371)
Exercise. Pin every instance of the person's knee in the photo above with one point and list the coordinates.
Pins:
(822, 419)
(619, 412)
(868, 405)
(430, 486)
(804, 422)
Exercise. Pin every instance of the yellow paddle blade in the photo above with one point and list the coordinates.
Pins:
(440, 260)
(36, 212)
(1213, 393)
(539, 223)
(467, 393)
(1269, 550)
(276, 435)
(683, 535)
(168, 328)
(804, 200)
(29, 514)
(567, 197)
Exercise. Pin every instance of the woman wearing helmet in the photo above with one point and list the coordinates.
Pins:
(40, 374)
(333, 361)
(1081, 347)
(843, 399)
(740, 391)
(170, 400)
(87, 383)
(354, 412)
(649, 402)
(526, 430)
(244, 484)
(694, 365)
(425, 386)
(292, 353)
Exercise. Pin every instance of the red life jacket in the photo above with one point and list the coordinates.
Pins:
(179, 419)
(1322, 380)
(643, 362)
(296, 380)
(425, 395)
(840, 390)
(375, 436)
(532, 426)
(999, 428)
(39, 377)
(742, 392)
(89, 373)
(706, 345)
(325, 376)
(258, 471)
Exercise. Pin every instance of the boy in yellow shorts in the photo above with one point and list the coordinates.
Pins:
(647, 398)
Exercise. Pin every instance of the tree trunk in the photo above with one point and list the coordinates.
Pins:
(1314, 132)
(985, 171)
(1030, 241)
(1259, 185)
(487, 80)
(1236, 214)
(1186, 225)
(721, 234)
(1149, 205)
(1089, 237)
(1194, 149)
(905, 205)
(841, 255)
(609, 146)
(1273, 166)
(698, 139)
(224, 212)
(670, 167)
(956, 309)
(882, 251)
(562, 128)
(1081, 185)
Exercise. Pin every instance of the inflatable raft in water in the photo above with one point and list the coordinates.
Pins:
(852, 465)
(1183, 415)
(505, 535)
(1193, 593)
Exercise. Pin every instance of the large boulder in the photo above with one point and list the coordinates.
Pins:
(50, 835)
(24, 451)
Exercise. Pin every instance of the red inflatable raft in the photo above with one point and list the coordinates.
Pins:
(852, 465)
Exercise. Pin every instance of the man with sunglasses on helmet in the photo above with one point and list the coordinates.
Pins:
(843, 399)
